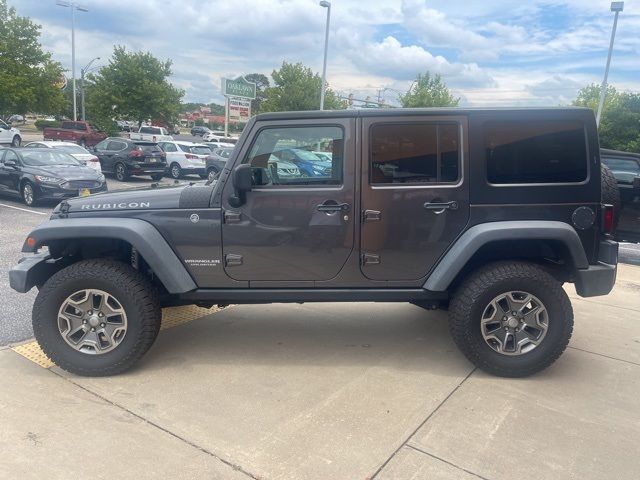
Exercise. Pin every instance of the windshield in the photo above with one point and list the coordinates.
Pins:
(224, 152)
(200, 150)
(41, 158)
(71, 149)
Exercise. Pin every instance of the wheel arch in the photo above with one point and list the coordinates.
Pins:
(554, 244)
(85, 234)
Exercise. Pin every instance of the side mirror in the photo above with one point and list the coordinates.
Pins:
(242, 182)
(10, 163)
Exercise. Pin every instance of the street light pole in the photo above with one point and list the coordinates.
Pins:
(326, 5)
(616, 7)
(83, 71)
(74, 6)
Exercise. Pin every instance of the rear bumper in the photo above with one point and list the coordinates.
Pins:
(32, 271)
(599, 279)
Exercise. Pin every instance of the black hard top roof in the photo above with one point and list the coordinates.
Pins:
(395, 112)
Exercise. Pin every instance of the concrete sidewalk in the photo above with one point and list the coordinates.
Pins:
(340, 391)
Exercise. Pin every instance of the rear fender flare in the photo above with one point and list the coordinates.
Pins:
(479, 235)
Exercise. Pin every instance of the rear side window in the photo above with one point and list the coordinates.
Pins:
(149, 147)
(422, 153)
(540, 151)
(115, 145)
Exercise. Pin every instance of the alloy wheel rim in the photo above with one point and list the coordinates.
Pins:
(212, 175)
(92, 321)
(120, 172)
(28, 194)
(175, 171)
(514, 323)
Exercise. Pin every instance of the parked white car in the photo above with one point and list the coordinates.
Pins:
(150, 134)
(216, 145)
(81, 154)
(217, 136)
(9, 135)
(185, 158)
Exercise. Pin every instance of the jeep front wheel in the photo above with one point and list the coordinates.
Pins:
(511, 319)
(96, 317)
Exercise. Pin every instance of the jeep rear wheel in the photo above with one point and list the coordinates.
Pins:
(511, 319)
(96, 317)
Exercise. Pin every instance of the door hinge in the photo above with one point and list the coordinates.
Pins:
(370, 259)
(371, 216)
(232, 260)
(232, 217)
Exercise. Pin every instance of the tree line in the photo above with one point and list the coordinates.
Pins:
(136, 86)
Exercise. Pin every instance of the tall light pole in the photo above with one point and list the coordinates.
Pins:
(326, 5)
(83, 71)
(74, 6)
(616, 7)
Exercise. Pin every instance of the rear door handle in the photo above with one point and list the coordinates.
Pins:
(333, 207)
(440, 207)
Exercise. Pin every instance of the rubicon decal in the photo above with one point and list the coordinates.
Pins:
(115, 206)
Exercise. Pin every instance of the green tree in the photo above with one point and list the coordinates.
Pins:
(133, 86)
(28, 76)
(620, 120)
(296, 87)
(262, 83)
(428, 91)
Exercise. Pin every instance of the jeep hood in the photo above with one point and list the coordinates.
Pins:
(145, 198)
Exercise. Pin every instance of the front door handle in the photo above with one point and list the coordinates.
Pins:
(440, 207)
(333, 207)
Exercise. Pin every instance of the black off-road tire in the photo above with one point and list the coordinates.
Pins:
(610, 192)
(15, 142)
(480, 288)
(133, 290)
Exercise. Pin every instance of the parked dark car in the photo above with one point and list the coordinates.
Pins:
(199, 131)
(216, 162)
(123, 157)
(625, 167)
(46, 174)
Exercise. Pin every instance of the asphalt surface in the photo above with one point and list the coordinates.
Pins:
(16, 221)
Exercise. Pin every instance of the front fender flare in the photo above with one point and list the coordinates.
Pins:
(475, 237)
(140, 234)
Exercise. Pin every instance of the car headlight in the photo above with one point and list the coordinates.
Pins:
(52, 180)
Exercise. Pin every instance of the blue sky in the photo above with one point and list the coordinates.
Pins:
(490, 52)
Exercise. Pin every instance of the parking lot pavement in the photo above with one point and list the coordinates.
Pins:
(337, 391)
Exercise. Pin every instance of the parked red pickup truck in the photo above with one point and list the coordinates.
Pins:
(83, 133)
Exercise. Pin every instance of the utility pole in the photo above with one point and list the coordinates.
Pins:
(74, 6)
(326, 5)
(616, 7)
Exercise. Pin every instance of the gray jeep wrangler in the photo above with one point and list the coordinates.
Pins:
(485, 213)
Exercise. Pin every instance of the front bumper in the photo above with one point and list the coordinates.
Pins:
(599, 279)
(55, 192)
(33, 270)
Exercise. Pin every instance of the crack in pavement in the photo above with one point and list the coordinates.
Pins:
(446, 461)
(605, 356)
(237, 468)
(377, 472)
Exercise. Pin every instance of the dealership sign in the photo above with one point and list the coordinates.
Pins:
(239, 109)
(238, 88)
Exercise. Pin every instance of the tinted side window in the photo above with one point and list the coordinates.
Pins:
(283, 156)
(102, 145)
(67, 125)
(536, 152)
(622, 164)
(169, 147)
(114, 145)
(422, 153)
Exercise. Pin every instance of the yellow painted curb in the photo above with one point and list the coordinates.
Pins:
(171, 317)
